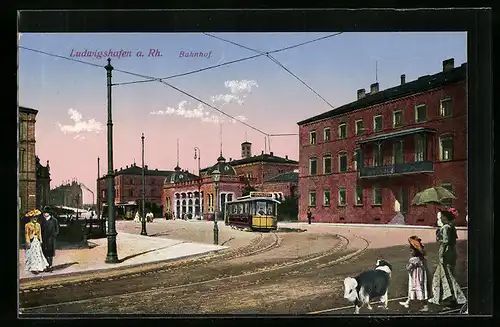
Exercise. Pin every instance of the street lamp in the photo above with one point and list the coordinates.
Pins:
(143, 229)
(112, 255)
(216, 178)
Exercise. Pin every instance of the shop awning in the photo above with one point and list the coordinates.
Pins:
(396, 134)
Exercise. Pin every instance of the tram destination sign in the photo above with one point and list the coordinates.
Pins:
(261, 195)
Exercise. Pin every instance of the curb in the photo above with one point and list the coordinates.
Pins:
(54, 279)
(369, 225)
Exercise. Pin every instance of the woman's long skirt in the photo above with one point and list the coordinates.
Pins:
(35, 260)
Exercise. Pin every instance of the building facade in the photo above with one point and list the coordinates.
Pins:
(27, 159)
(42, 184)
(68, 194)
(196, 196)
(365, 161)
(128, 185)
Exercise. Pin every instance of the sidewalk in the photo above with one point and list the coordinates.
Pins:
(133, 250)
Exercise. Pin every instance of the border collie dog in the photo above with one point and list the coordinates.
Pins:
(369, 286)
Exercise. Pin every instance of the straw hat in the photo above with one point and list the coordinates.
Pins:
(33, 213)
(416, 243)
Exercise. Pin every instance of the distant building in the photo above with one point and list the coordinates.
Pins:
(128, 185)
(42, 184)
(68, 194)
(195, 196)
(363, 162)
(27, 162)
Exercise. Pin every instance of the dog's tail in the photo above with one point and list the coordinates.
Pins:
(350, 285)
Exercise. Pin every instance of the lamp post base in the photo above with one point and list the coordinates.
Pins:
(112, 256)
(216, 233)
(143, 229)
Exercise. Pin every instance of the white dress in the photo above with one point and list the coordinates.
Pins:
(35, 260)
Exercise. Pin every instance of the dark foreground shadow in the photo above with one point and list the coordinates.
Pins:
(145, 252)
(64, 265)
(231, 238)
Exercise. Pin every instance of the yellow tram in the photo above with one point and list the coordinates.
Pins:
(257, 211)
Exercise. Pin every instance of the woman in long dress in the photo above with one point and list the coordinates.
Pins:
(35, 260)
(444, 285)
(418, 287)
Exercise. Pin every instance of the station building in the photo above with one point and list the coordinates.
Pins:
(364, 162)
(195, 196)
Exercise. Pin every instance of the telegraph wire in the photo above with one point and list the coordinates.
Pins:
(234, 61)
(152, 79)
(276, 62)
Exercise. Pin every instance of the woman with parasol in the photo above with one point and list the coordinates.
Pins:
(444, 285)
(35, 260)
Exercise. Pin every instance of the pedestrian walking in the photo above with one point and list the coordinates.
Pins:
(418, 285)
(309, 216)
(50, 230)
(35, 260)
(445, 287)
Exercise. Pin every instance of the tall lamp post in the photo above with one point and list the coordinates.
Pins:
(216, 178)
(112, 255)
(143, 229)
(197, 155)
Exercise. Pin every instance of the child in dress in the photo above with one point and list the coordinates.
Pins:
(418, 289)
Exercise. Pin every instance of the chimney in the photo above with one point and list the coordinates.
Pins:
(271, 153)
(448, 64)
(403, 79)
(361, 93)
(230, 159)
(286, 157)
(262, 152)
(126, 166)
(146, 167)
(374, 88)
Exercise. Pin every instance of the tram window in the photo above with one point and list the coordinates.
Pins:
(270, 208)
(240, 208)
(261, 208)
(246, 208)
(252, 208)
(234, 208)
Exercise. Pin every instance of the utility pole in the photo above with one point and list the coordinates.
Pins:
(143, 230)
(112, 255)
(99, 195)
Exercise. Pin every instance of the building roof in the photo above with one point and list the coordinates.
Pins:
(222, 166)
(28, 110)
(136, 170)
(288, 177)
(260, 158)
(179, 175)
(423, 83)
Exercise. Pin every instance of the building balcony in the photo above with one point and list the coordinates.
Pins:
(397, 169)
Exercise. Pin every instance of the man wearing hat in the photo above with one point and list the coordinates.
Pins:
(50, 230)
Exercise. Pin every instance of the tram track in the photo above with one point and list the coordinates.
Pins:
(341, 246)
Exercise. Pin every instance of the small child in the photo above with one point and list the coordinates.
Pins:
(417, 275)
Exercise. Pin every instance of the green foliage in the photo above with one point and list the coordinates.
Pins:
(288, 210)
(247, 189)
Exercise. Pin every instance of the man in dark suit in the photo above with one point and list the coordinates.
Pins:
(50, 230)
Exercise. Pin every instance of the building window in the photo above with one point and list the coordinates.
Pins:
(357, 159)
(377, 156)
(312, 199)
(326, 134)
(23, 130)
(420, 113)
(342, 196)
(312, 137)
(377, 123)
(397, 118)
(342, 131)
(420, 148)
(327, 164)
(445, 108)
(449, 187)
(313, 166)
(359, 127)
(397, 153)
(22, 160)
(358, 196)
(326, 198)
(131, 193)
(342, 162)
(446, 148)
(377, 196)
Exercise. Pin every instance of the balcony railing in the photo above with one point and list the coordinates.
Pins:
(397, 169)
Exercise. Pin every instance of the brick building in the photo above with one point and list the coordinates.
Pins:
(27, 159)
(365, 161)
(68, 194)
(128, 185)
(195, 196)
(42, 184)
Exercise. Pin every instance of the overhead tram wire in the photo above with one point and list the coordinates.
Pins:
(260, 54)
(151, 78)
(267, 54)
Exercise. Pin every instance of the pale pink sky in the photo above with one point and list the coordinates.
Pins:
(273, 100)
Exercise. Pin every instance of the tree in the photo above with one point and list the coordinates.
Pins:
(247, 188)
(289, 209)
